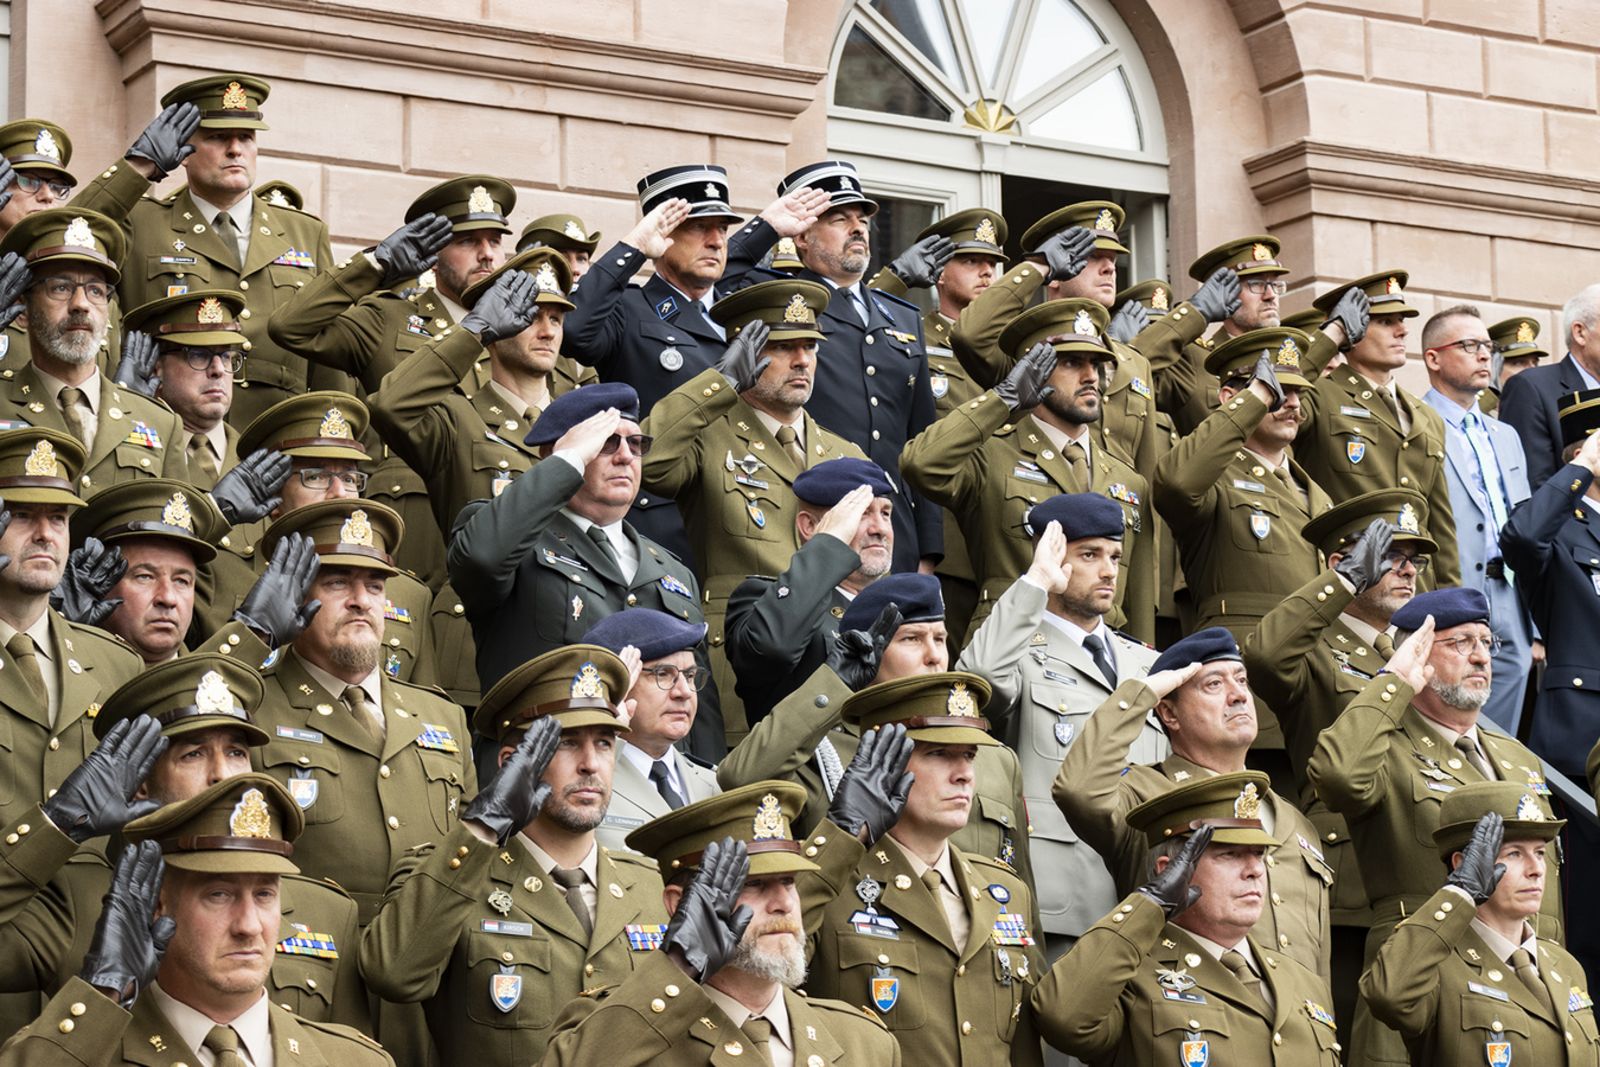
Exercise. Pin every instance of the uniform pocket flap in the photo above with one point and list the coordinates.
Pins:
(1208, 1018)
(998, 811)
(856, 951)
(290, 753)
(1480, 1012)
(189, 264)
(512, 951)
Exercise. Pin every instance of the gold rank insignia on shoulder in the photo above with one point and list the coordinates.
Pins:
(574, 231)
(234, 99)
(1408, 520)
(961, 701)
(41, 462)
(209, 311)
(1525, 331)
(78, 234)
(1083, 325)
(545, 279)
(45, 145)
(479, 202)
(211, 696)
(1528, 809)
(768, 824)
(1248, 803)
(250, 817)
(1104, 220)
(357, 530)
(1158, 299)
(1260, 253)
(586, 683)
(334, 424)
(1288, 354)
(797, 310)
(986, 232)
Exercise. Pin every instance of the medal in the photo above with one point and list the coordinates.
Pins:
(869, 891)
(500, 901)
(1179, 981)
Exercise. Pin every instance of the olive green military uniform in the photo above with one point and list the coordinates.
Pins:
(1096, 788)
(1176, 351)
(173, 247)
(1515, 338)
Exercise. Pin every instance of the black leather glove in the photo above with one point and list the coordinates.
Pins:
(1352, 313)
(1267, 374)
(1130, 319)
(919, 265)
(742, 364)
(8, 176)
(272, 607)
(91, 571)
(412, 249)
(1218, 297)
(1171, 889)
(165, 142)
(1479, 873)
(873, 791)
(250, 490)
(1024, 388)
(1365, 562)
(128, 943)
(506, 309)
(706, 928)
(510, 800)
(14, 281)
(136, 370)
(855, 655)
(97, 797)
(1067, 253)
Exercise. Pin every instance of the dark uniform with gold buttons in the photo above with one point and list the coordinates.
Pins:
(482, 935)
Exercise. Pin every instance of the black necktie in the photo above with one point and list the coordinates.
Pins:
(663, 781)
(1102, 658)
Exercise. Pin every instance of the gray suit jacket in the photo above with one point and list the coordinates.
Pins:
(1045, 687)
(635, 801)
(1467, 499)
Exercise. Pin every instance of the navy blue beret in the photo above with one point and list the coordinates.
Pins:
(1449, 607)
(569, 409)
(654, 633)
(1202, 646)
(916, 595)
(827, 483)
(1080, 515)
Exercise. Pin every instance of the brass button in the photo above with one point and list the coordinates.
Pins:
(384, 771)
(394, 822)
(67, 1026)
(658, 1005)
(77, 1008)
(966, 1028)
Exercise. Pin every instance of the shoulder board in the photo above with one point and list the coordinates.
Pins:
(622, 855)
(431, 690)
(263, 202)
(698, 762)
(1129, 637)
(327, 885)
(841, 1008)
(978, 860)
(97, 635)
(883, 297)
(169, 197)
(349, 1033)
(657, 549)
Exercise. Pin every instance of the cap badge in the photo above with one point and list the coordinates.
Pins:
(768, 823)
(1248, 804)
(786, 248)
(1392, 286)
(1528, 809)
(1525, 331)
(251, 817)
(1158, 299)
(45, 145)
(41, 462)
(798, 310)
(847, 185)
(480, 203)
(78, 234)
(545, 279)
(1408, 520)
(356, 530)
(210, 311)
(586, 683)
(574, 231)
(1105, 220)
(334, 424)
(233, 98)
(961, 701)
(1288, 354)
(176, 513)
(1083, 325)
(712, 192)
(986, 232)
(277, 199)
(1260, 253)
(211, 696)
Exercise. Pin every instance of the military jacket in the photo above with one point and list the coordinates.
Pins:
(455, 650)
(172, 249)
(1045, 688)
(989, 471)
(1097, 787)
(365, 803)
(1138, 990)
(635, 800)
(952, 386)
(1177, 353)
(485, 939)
(135, 437)
(944, 1004)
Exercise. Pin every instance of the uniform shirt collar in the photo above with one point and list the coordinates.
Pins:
(1449, 736)
(1503, 947)
(1363, 631)
(371, 685)
(239, 213)
(776, 1012)
(642, 761)
(772, 426)
(1075, 632)
(1215, 951)
(519, 407)
(947, 873)
(39, 631)
(253, 1025)
(1058, 437)
(590, 865)
(90, 387)
(457, 312)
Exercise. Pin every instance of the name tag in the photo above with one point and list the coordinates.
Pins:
(1029, 474)
(1249, 486)
(554, 557)
(1489, 991)
(508, 929)
(1440, 787)
(178, 261)
(294, 733)
(874, 925)
(1187, 996)
(1057, 676)
(1355, 412)
(1309, 847)
(622, 822)
(753, 483)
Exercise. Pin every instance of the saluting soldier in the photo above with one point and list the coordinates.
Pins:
(1361, 431)
(34, 155)
(1516, 348)
(1175, 974)
(1029, 438)
(518, 909)
(567, 235)
(214, 232)
(1465, 975)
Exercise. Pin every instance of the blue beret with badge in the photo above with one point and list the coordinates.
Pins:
(828, 482)
(1080, 515)
(1203, 646)
(654, 633)
(569, 409)
(1454, 605)
(916, 595)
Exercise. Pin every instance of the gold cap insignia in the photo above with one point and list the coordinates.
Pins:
(712, 192)
(1392, 286)
(586, 683)
(41, 462)
(1158, 299)
(251, 817)
(768, 823)
(277, 199)
(1408, 520)
(45, 145)
(574, 231)
(986, 233)
(1260, 253)
(334, 424)
(1105, 220)
(480, 203)
(356, 530)
(961, 701)
(786, 248)
(210, 311)
(234, 99)
(798, 310)
(211, 696)
(1525, 331)
(1288, 354)
(1247, 805)
(1528, 809)
(545, 279)
(78, 234)
(176, 513)
(1083, 325)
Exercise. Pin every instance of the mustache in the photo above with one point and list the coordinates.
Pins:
(590, 782)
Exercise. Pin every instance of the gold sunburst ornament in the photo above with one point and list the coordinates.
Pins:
(234, 98)
(1525, 332)
(41, 462)
(211, 696)
(78, 234)
(334, 424)
(357, 530)
(961, 701)
(251, 817)
(798, 311)
(177, 513)
(768, 824)
(990, 116)
(210, 311)
(586, 684)
(986, 233)
(480, 202)
(1248, 803)
(1288, 354)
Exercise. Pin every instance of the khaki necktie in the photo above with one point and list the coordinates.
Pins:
(1522, 962)
(25, 656)
(1470, 753)
(1287, 479)
(229, 233)
(571, 880)
(791, 444)
(74, 409)
(356, 699)
(1078, 464)
(1240, 967)
(224, 1046)
(202, 462)
(1383, 644)
(759, 1030)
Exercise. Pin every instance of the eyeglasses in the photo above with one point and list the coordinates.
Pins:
(202, 358)
(638, 443)
(1400, 559)
(29, 183)
(61, 289)
(1261, 288)
(320, 478)
(1472, 345)
(1465, 645)
(666, 676)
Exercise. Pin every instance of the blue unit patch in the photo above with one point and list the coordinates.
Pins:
(885, 990)
(505, 991)
(1355, 450)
